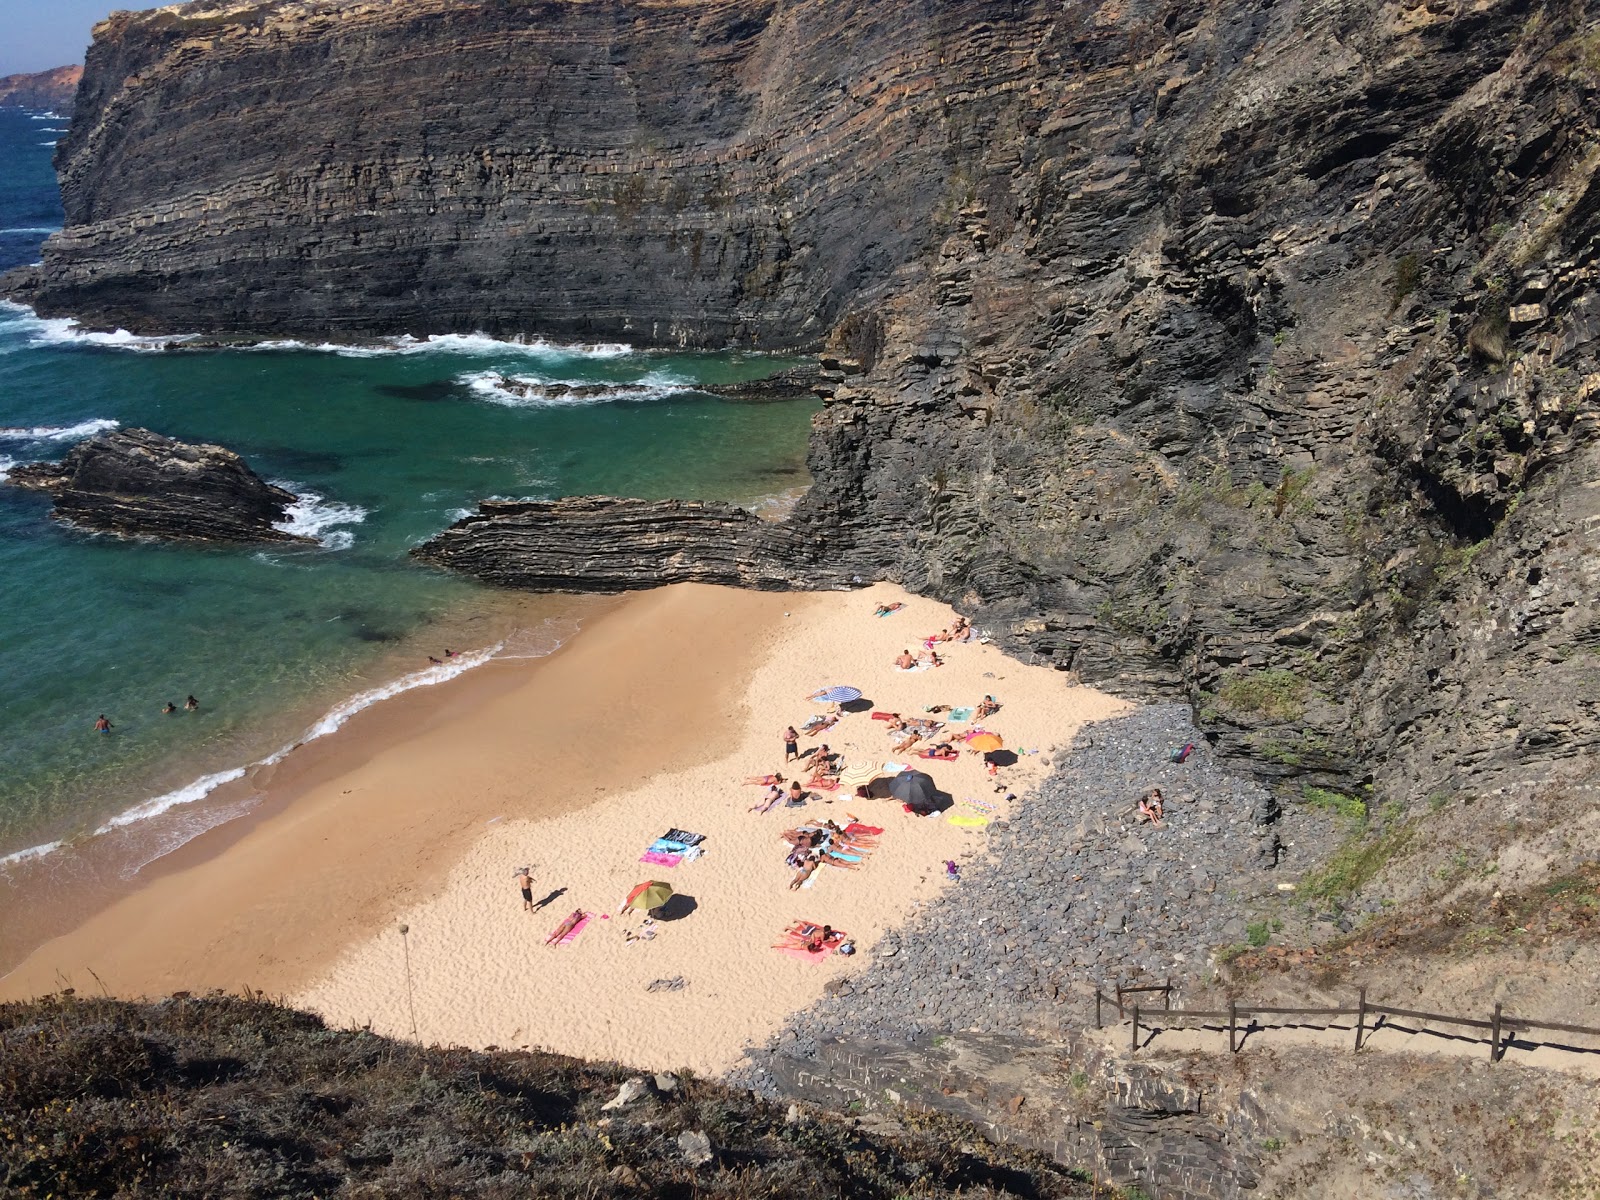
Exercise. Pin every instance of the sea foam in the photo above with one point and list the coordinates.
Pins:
(314, 516)
(489, 386)
(57, 433)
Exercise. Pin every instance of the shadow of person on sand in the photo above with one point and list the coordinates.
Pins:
(677, 907)
(550, 899)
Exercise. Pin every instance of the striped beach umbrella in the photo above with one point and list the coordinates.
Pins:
(837, 695)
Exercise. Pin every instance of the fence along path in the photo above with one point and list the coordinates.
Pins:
(1499, 1031)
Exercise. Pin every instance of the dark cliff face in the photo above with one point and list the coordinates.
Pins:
(1244, 352)
(698, 174)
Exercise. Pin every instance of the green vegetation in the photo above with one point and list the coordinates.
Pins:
(1276, 694)
(1257, 933)
(1358, 861)
(228, 1097)
(1350, 807)
(1407, 274)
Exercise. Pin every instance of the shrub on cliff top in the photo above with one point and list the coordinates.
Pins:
(228, 1097)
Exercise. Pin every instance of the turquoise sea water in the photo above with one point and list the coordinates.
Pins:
(386, 444)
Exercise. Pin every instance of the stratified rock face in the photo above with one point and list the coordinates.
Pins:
(444, 165)
(53, 89)
(135, 482)
(603, 544)
(1244, 352)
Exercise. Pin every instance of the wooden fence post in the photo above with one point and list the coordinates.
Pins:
(1135, 1027)
(1233, 1024)
(1494, 1036)
(1097, 999)
(1166, 995)
(1361, 1019)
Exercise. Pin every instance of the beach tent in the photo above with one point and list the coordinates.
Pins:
(916, 789)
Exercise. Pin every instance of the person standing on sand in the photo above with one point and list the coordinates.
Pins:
(791, 744)
(192, 704)
(102, 725)
(525, 882)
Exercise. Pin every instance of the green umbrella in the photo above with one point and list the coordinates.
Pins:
(649, 895)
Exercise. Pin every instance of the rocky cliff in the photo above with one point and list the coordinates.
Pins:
(53, 89)
(1242, 351)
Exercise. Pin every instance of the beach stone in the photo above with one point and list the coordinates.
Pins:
(631, 1090)
(696, 1147)
(666, 1083)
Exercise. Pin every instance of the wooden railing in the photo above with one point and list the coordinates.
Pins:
(1500, 1026)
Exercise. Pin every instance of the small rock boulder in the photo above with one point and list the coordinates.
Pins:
(138, 483)
(631, 1090)
(696, 1148)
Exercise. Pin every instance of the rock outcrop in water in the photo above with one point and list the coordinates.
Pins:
(1245, 353)
(603, 544)
(53, 89)
(137, 483)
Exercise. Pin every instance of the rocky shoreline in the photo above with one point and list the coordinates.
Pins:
(1070, 893)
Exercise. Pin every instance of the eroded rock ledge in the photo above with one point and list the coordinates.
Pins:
(606, 544)
(138, 483)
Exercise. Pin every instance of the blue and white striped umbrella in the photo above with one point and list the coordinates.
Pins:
(838, 695)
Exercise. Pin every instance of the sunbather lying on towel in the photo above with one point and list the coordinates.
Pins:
(817, 724)
(944, 751)
(565, 927)
(765, 780)
(805, 872)
(772, 796)
(885, 609)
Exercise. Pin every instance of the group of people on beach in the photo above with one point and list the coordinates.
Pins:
(102, 723)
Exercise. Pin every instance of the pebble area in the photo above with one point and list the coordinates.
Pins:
(1072, 892)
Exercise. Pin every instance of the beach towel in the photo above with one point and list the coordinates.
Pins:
(797, 935)
(884, 716)
(567, 932)
(893, 768)
(683, 838)
(961, 714)
(660, 858)
(968, 822)
(856, 827)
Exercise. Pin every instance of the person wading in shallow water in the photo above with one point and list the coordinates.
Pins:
(192, 704)
(169, 707)
(102, 725)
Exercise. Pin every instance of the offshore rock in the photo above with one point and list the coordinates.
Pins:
(138, 483)
(605, 544)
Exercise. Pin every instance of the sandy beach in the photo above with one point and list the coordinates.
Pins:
(650, 720)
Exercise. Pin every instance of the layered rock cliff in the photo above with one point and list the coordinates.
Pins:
(53, 89)
(1244, 352)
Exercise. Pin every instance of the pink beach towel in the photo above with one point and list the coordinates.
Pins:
(572, 934)
(659, 859)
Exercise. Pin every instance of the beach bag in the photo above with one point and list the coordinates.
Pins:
(1182, 753)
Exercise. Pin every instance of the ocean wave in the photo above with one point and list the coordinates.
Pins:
(6, 464)
(20, 856)
(58, 433)
(525, 391)
(30, 229)
(475, 345)
(46, 116)
(47, 143)
(154, 807)
(314, 516)
(65, 331)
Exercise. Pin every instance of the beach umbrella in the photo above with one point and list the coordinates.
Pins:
(986, 741)
(649, 895)
(837, 695)
(856, 776)
(914, 788)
